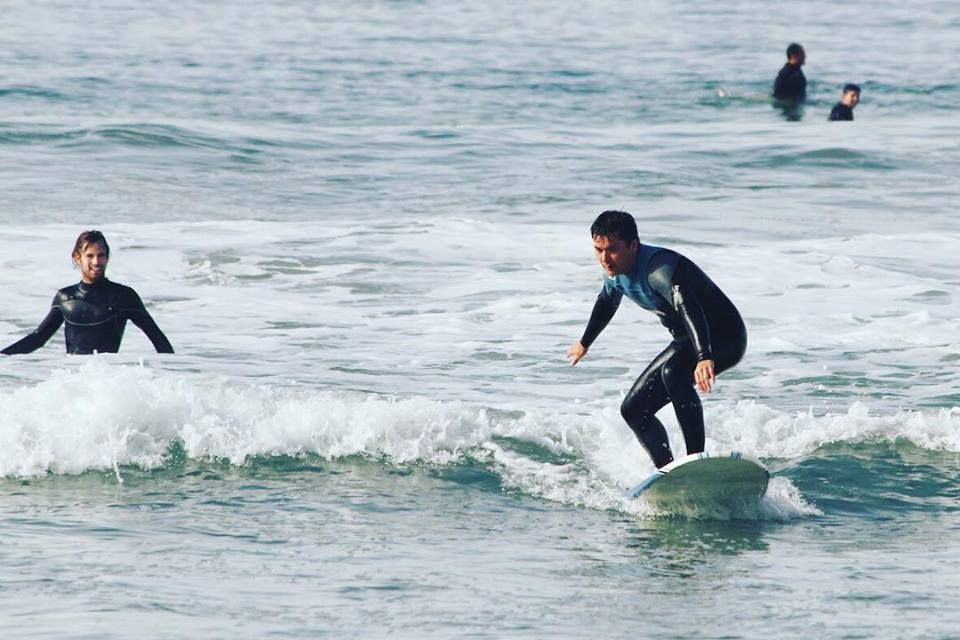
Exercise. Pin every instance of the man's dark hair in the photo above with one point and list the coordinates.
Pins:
(89, 237)
(615, 223)
(793, 50)
(851, 87)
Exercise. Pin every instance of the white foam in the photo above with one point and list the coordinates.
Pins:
(762, 431)
(100, 414)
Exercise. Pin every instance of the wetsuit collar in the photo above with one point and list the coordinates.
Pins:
(85, 287)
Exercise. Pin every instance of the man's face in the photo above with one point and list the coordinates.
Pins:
(615, 256)
(850, 98)
(93, 262)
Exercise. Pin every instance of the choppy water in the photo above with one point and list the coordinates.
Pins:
(364, 228)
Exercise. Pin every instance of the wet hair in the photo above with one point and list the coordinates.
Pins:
(89, 237)
(615, 223)
(851, 87)
(794, 50)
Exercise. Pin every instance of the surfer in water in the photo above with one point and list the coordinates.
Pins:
(849, 98)
(708, 333)
(95, 310)
(791, 85)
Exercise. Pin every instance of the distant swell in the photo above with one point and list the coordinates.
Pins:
(158, 136)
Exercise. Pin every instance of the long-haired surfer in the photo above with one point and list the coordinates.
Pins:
(95, 310)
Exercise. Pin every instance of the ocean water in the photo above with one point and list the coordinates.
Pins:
(364, 228)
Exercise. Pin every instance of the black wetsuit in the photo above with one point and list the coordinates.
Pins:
(705, 326)
(791, 84)
(95, 315)
(841, 112)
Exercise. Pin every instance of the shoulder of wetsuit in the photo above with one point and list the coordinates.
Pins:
(661, 270)
(125, 296)
(65, 294)
(840, 112)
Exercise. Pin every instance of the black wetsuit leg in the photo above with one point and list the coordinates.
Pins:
(669, 379)
(646, 397)
(677, 375)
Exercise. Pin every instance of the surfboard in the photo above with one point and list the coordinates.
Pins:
(701, 480)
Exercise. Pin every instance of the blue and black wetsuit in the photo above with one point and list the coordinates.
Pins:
(791, 84)
(705, 326)
(95, 316)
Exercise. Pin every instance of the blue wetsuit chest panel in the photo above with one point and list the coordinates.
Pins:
(636, 284)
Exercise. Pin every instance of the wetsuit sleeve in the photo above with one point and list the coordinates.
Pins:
(676, 282)
(778, 85)
(146, 323)
(40, 335)
(139, 316)
(603, 310)
(690, 310)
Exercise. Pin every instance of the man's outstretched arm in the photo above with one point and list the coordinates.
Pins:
(603, 310)
(40, 335)
(147, 324)
(138, 315)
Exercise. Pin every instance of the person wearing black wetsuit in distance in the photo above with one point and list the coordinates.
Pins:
(708, 333)
(791, 85)
(95, 310)
(849, 98)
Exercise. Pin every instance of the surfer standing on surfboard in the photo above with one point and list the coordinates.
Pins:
(708, 333)
(95, 310)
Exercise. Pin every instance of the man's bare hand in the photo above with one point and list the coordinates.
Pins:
(704, 375)
(576, 352)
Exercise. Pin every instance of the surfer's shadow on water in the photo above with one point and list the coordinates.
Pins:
(677, 545)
